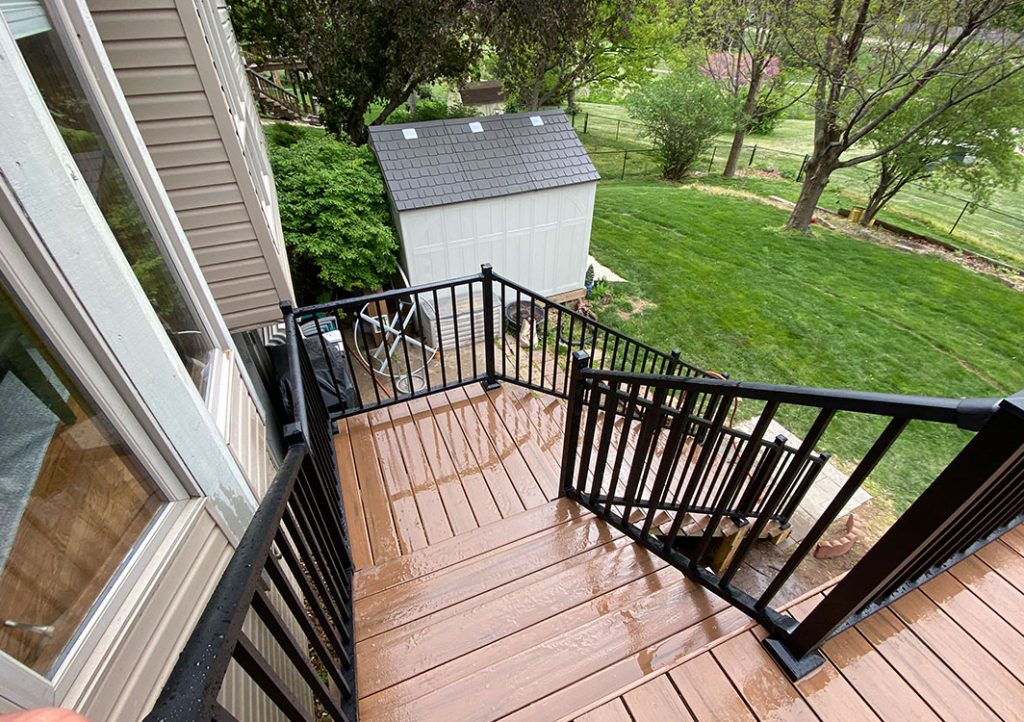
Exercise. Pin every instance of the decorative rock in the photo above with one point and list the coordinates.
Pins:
(840, 546)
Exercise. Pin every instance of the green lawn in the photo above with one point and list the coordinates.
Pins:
(736, 293)
(989, 232)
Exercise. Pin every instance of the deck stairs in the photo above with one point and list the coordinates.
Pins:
(531, 617)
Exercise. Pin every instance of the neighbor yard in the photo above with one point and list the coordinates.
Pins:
(736, 293)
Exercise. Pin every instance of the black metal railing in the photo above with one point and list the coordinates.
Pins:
(683, 460)
(388, 347)
(292, 570)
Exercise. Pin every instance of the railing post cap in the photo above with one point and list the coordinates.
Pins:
(286, 307)
(581, 358)
(675, 353)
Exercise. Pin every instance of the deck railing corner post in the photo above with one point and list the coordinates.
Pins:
(490, 381)
(577, 391)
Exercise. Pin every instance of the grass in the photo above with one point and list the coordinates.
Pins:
(736, 293)
(987, 232)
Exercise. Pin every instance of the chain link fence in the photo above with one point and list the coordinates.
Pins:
(619, 151)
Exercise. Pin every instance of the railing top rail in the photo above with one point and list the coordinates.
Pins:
(595, 323)
(387, 295)
(191, 690)
(969, 413)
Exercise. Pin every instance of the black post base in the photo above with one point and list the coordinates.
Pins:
(490, 384)
(794, 668)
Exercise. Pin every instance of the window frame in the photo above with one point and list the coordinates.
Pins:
(92, 311)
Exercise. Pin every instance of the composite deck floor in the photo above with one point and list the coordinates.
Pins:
(481, 595)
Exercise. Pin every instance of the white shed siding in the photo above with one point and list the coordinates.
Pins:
(538, 239)
(194, 111)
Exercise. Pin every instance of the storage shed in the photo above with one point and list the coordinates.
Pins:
(515, 191)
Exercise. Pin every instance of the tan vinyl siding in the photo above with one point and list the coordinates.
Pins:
(188, 125)
(240, 422)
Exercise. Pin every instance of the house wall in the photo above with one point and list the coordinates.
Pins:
(538, 239)
(179, 68)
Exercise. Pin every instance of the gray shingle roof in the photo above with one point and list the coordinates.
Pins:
(448, 163)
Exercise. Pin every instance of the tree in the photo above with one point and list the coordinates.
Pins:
(362, 53)
(974, 147)
(742, 44)
(681, 114)
(334, 213)
(546, 49)
(873, 57)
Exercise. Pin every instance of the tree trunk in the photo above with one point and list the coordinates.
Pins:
(815, 181)
(749, 107)
(570, 99)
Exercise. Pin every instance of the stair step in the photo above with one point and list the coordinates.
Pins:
(488, 636)
(376, 579)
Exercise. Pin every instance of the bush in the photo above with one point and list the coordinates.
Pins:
(431, 110)
(680, 114)
(336, 220)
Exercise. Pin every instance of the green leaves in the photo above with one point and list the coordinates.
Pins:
(333, 210)
(681, 114)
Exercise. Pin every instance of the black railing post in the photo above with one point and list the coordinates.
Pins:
(577, 392)
(294, 432)
(972, 500)
(491, 380)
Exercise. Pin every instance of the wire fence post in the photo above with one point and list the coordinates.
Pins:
(625, 154)
(618, 124)
(712, 161)
(803, 166)
(957, 221)
(751, 161)
(586, 121)
(574, 112)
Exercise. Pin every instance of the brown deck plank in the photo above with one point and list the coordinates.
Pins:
(544, 469)
(657, 700)
(927, 674)
(1008, 563)
(460, 548)
(409, 650)
(970, 661)
(992, 588)
(435, 516)
(760, 682)
(527, 485)
(614, 711)
(517, 681)
(536, 409)
(419, 597)
(471, 443)
(359, 538)
(427, 452)
(408, 524)
(443, 452)
(380, 526)
(988, 629)
(878, 682)
(611, 603)
(1014, 539)
(723, 621)
(707, 691)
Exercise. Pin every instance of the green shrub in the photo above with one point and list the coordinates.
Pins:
(336, 220)
(430, 110)
(680, 114)
(282, 135)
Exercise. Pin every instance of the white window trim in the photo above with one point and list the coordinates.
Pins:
(98, 291)
(75, 25)
(23, 686)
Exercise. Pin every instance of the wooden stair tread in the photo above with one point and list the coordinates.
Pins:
(424, 595)
(508, 676)
(462, 547)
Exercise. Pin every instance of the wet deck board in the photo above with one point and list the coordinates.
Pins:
(945, 651)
